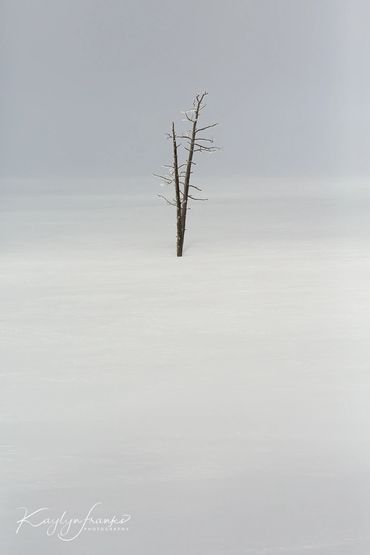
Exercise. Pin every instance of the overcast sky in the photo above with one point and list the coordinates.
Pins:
(89, 87)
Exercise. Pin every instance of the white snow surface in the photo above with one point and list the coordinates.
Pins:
(221, 399)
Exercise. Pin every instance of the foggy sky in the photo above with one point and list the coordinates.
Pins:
(89, 87)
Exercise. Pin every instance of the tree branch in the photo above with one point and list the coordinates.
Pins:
(195, 198)
(206, 127)
(171, 203)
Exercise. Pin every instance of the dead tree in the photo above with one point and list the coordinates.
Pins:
(180, 174)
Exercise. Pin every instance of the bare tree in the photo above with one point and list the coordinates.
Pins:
(179, 175)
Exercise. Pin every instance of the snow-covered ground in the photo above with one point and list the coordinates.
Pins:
(221, 399)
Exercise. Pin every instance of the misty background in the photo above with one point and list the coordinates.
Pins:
(89, 88)
(222, 398)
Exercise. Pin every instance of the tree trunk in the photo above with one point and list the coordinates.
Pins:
(180, 236)
(189, 163)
